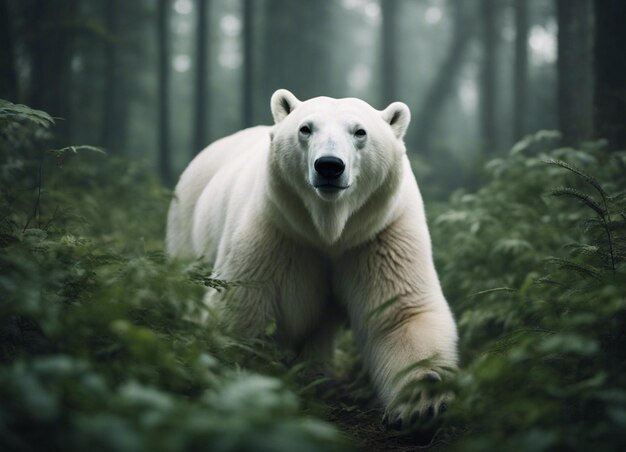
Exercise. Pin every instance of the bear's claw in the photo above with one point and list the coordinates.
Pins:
(418, 409)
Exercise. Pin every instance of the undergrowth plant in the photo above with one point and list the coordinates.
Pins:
(105, 344)
(101, 343)
(534, 266)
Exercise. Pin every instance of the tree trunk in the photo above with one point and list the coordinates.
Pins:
(575, 65)
(36, 17)
(488, 80)
(163, 89)
(115, 102)
(8, 74)
(520, 75)
(389, 60)
(610, 72)
(247, 106)
(201, 123)
(51, 53)
(430, 110)
(301, 65)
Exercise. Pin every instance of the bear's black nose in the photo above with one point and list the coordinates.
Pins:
(329, 167)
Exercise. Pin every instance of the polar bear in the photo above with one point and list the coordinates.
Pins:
(322, 213)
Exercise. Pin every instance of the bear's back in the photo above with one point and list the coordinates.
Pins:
(196, 177)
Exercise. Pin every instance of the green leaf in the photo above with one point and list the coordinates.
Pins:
(11, 111)
(75, 150)
(580, 196)
(587, 177)
(582, 269)
(494, 290)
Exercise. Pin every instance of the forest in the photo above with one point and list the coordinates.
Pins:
(518, 144)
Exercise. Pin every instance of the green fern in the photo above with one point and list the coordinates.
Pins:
(58, 153)
(587, 177)
(584, 249)
(566, 264)
(558, 334)
(580, 196)
(603, 211)
(489, 291)
(11, 112)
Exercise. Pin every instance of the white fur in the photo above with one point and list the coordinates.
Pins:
(246, 205)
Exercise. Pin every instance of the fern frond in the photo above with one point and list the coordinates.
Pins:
(9, 110)
(591, 223)
(495, 289)
(75, 149)
(580, 196)
(584, 249)
(587, 177)
(584, 270)
(617, 198)
(548, 281)
(613, 225)
(204, 278)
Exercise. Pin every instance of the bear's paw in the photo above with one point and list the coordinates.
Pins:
(418, 404)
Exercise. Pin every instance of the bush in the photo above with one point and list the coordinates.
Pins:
(100, 342)
(533, 265)
(101, 345)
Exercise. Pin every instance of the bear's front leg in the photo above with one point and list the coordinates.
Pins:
(278, 280)
(405, 360)
(396, 307)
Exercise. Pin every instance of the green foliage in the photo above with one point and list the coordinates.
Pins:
(102, 340)
(10, 112)
(533, 265)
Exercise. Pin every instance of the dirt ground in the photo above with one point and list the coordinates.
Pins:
(361, 420)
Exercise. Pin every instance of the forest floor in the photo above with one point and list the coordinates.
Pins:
(354, 409)
(365, 427)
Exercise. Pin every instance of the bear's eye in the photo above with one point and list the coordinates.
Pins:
(360, 133)
(305, 130)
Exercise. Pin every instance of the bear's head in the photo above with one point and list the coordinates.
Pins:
(335, 154)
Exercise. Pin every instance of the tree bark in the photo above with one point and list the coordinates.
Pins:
(389, 47)
(201, 122)
(36, 17)
(520, 106)
(163, 89)
(610, 72)
(115, 102)
(300, 66)
(575, 66)
(247, 91)
(51, 53)
(8, 74)
(488, 77)
(430, 110)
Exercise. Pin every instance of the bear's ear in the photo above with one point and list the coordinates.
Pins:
(398, 116)
(282, 103)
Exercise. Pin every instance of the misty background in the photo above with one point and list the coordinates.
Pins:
(159, 80)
